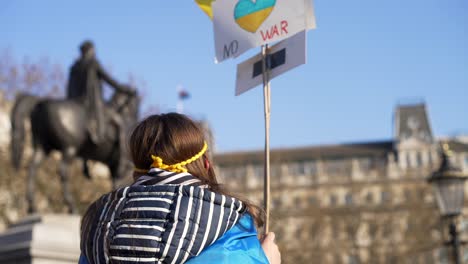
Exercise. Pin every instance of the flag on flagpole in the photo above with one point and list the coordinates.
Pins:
(205, 5)
(183, 94)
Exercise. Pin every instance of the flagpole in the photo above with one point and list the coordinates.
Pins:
(180, 106)
(266, 99)
(180, 100)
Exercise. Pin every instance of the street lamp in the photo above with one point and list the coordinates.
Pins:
(449, 187)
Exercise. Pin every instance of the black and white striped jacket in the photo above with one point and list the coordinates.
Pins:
(164, 217)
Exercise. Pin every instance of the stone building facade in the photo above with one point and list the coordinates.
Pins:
(355, 203)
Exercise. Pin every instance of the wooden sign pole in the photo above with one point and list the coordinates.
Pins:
(266, 98)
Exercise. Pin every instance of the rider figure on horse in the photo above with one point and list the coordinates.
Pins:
(85, 87)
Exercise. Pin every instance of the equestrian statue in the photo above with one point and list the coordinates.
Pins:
(82, 125)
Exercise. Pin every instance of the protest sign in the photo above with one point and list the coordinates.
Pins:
(244, 24)
(282, 57)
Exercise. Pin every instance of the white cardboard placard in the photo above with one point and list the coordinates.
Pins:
(295, 55)
(239, 25)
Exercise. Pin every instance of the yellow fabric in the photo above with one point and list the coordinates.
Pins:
(178, 167)
(205, 5)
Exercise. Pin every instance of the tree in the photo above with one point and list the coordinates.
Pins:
(38, 77)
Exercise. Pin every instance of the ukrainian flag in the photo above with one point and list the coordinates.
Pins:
(205, 5)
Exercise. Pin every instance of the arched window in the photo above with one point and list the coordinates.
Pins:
(349, 199)
(408, 160)
(385, 197)
(333, 200)
(419, 161)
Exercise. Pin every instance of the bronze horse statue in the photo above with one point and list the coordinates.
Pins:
(62, 125)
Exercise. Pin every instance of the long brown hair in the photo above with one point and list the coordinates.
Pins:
(176, 138)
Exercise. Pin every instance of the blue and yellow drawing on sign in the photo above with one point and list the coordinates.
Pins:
(250, 16)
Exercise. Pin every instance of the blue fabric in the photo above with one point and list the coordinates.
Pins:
(238, 245)
(82, 260)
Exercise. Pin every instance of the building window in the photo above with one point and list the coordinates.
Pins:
(240, 172)
(275, 171)
(443, 255)
(369, 197)
(353, 259)
(408, 160)
(393, 260)
(258, 171)
(365, 164)
(419, 161)
(421, 194)
(297, 201)
(299, 232)
(373, 228)
(349, 199)
(464, 225)
(223, 171)
(313, 200)
(387, 230)
(335, 167)
(276, 203)
(336, 258)
(302, 168)
(338, 168)
(410, 225)
(232, 172)
(310, 167)
(279, 232)
(333, 200)
(407, 194)
(296, 169)
(314, 230)
(385, 197)
(466, 160)
(428, 258)
(351, 232)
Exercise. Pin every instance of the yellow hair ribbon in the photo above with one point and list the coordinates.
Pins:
(178, 167)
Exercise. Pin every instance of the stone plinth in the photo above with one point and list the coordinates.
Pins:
(40, 239)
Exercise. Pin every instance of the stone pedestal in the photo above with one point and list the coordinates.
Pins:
(40, 239)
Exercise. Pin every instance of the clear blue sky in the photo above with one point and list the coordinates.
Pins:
(364, 57)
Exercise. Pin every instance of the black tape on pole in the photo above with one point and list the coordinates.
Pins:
(272, 60)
